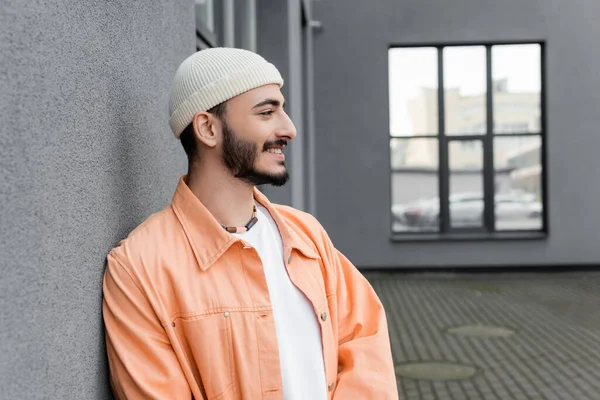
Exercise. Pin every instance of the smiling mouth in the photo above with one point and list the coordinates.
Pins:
(275, 146)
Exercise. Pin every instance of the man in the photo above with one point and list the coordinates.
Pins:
(224, 295)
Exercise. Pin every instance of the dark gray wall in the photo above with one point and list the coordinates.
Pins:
(85, 155)
(351, 92)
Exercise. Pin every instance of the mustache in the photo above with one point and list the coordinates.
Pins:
(274, 143)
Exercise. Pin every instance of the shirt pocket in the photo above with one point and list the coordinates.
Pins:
(206, 340)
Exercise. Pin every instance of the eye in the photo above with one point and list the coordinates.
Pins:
(267, 113)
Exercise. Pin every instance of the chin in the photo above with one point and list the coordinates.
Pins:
(278, 175)
(276, 178)
(266, 176)
(280, 181)
(278, 170)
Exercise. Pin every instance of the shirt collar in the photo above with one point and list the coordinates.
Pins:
(207, 237)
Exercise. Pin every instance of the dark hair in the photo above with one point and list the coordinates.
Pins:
(188, 139)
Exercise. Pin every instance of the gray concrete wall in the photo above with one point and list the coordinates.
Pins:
(85, 155)
(351, 92)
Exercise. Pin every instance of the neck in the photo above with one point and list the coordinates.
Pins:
(229, 199)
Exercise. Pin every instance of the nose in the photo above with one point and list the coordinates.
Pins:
(287, 130)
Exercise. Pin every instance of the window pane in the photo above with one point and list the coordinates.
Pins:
(413, 86)
(465, 90)
(206, 13)
(517, 164)
(516, 70)
(414, 153)
(415, 203)
(466, 183)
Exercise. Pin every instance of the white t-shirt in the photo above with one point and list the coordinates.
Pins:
(297, 328)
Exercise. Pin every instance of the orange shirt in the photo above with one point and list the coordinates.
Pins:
(187, 310)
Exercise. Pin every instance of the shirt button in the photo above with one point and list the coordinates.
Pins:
(324, 316)
(330, 387)
(226, 314)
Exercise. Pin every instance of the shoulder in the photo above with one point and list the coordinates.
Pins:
(299, 219)
(148, 242)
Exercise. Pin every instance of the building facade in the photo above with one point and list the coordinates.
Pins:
(356, 169)
(86, 153)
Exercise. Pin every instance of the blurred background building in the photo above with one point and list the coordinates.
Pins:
(441, 134)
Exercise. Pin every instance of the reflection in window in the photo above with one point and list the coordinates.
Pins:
(465, 90)
(516, 71)
(518, 183)
(413, 83)
(415, 202)
(414, 153)
(466, 183)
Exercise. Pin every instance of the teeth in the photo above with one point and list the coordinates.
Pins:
(274, 151)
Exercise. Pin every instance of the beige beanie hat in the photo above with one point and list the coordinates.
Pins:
(212, 76)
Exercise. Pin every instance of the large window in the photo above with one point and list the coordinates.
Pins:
(466, 139)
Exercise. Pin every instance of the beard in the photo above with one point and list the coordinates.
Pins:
(240, 155)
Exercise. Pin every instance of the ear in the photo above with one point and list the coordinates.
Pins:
(205, 128)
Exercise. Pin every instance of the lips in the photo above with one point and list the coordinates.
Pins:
(277, 145)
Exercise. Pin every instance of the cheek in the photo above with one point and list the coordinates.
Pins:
(255, 136)
(254, 131)
(261, 131)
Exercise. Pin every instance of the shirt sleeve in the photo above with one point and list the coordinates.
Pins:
(141, 360)
(366, 368)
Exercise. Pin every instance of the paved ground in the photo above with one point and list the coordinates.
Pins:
(553, 354)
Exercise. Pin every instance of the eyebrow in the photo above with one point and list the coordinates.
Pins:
(269, 102)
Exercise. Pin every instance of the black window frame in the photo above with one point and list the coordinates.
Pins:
(488, 230)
